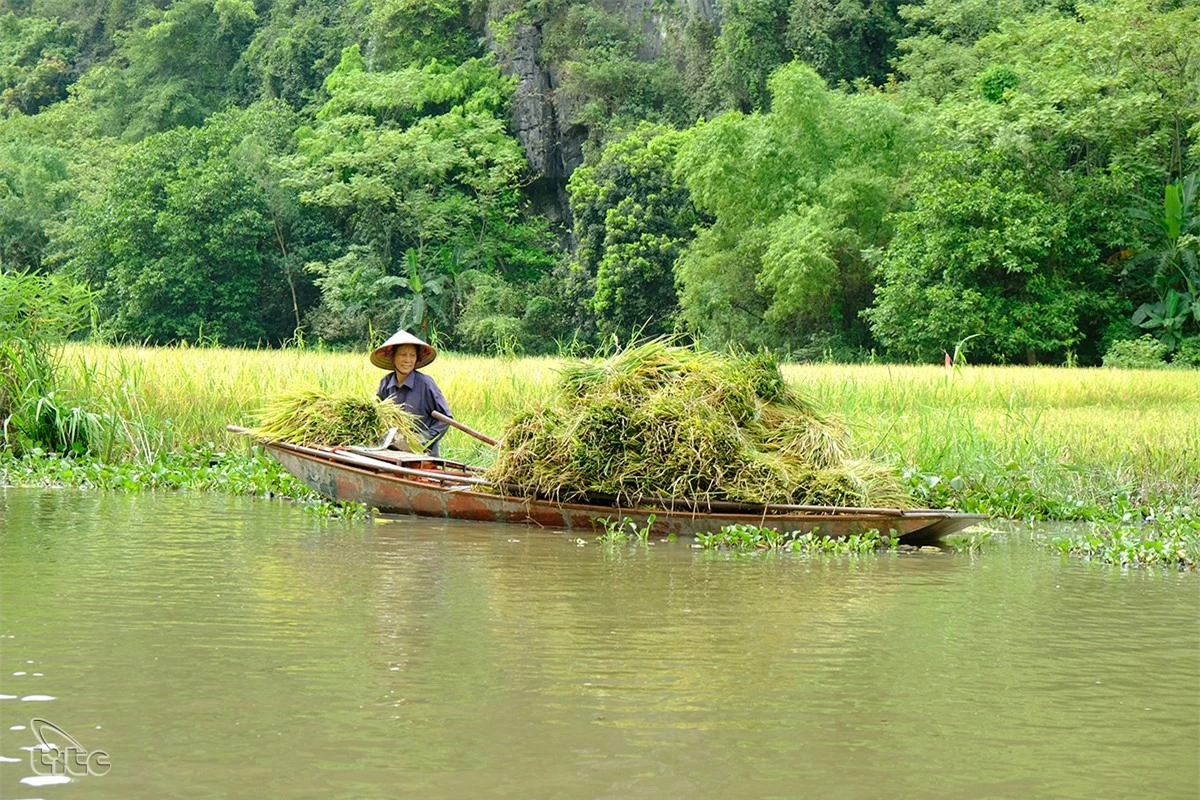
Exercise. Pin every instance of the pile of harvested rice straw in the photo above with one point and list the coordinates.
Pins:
(664, 421)
(310, 417)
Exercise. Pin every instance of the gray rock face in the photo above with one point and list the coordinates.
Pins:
(553, 149)
(541, 116)
(533, 115)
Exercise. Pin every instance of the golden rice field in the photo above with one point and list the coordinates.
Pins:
(1136, 428)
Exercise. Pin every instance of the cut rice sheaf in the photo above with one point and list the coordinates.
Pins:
(663, 421)
(312, 417)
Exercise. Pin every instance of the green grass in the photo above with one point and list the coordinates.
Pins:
(1017, 442)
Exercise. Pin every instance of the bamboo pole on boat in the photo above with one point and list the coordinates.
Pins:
(464, 428)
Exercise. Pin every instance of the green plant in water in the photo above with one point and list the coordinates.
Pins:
(332, 509)
(747, 538)
(856, 543)
(196, 467)
(1172, 539)
(615, 533)
(969, 542)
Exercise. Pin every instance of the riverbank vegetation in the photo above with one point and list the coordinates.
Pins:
(1014, 442)
(1170, 539)
(37, 314)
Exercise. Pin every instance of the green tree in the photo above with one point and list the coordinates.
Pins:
(37, 57)
(413, 32)
(940, 47)
(605, 85)
(845, 40)
(752, 43)
(32, 191)
(96, 23)
(633, 218)
(980, 253)
(181, 241)
(800, 198)
(297, 46)
(496, 316)
(418, 160)
(1049, 125)
(175, 67)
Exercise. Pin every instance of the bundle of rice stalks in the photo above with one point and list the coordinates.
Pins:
(664, 421)
(310, 417)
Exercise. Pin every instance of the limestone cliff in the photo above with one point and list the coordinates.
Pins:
(542, 118)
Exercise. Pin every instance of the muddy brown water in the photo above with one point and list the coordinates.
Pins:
(208, 646)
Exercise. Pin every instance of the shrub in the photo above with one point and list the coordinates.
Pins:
(1143, 353)
(1188, 354)
(37, 312)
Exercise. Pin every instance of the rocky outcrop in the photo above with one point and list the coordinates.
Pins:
(541, 116)
(553, 147)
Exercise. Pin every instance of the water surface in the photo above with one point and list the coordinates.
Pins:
(221, 647)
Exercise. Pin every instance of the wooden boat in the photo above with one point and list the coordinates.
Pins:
(403, 483)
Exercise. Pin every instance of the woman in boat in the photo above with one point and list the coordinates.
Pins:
(414, 391)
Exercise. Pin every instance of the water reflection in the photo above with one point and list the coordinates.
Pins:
(210, 644)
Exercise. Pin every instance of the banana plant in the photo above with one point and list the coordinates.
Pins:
(1168, 316)
(1172, 266)
(429, 292)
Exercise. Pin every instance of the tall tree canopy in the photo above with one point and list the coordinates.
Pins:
(800, 197)
(828, 177)
(182, 241)
(417, 167)
(1020, 225)
(633, 218)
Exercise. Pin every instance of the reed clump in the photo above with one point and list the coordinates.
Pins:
(311, 417)
(664, 421)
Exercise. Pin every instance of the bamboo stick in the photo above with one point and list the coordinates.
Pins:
(464, 428)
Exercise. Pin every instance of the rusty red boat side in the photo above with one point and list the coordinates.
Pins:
(403, 494)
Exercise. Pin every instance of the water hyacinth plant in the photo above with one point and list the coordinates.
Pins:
(614, 531)
(657, 421)
(747, 538)
(1173, 540)
(312, 417)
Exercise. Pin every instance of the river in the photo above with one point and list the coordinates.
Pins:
(205, 646)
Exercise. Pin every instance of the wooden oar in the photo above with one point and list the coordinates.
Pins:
(464, 428)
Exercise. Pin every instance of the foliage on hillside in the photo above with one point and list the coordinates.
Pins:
(826, 179)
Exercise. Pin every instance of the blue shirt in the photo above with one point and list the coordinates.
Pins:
(419, 395)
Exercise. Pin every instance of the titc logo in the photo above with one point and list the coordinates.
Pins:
(59, 753)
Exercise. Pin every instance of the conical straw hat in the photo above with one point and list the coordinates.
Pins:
(382, 356)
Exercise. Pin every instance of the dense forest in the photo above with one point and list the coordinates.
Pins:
(843, 179)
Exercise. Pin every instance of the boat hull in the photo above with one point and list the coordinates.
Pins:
(396, 494)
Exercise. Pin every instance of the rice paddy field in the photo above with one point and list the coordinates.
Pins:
(1020, 442)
